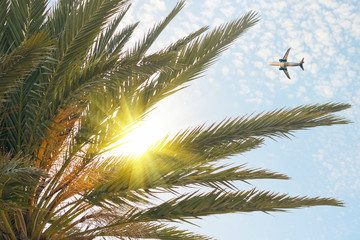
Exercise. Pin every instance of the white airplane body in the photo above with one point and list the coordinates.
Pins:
(283, 63)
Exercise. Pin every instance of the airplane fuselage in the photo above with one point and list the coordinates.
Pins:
(284, 64)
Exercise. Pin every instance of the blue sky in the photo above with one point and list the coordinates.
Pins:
(321, 162)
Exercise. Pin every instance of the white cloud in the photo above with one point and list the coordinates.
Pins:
(265, 53)
(155, 5)
(228, 10)
(237, 59)
(323, 36)
(218, 21)
(325, 91)
(355, 27)
(340, 169)
(244, 89)
(272, 75)
(225, 70)
(254, 100)
(329, 3)
(300, 91)
(259, 64)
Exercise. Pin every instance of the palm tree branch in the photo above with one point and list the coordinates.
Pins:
(17, 20)
(96, 13)
(217, 202)
(4, 7)
(105, 38)
(37, 16)
(195, 57)
(23, 60)
(118, 41)
(278, 123)
(156, 172)
(194, 206)
(147, 230)
(89, 19)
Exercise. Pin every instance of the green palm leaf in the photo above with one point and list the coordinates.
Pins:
(194, 58)
(4, 6)
(86, 22)
(23, 60)
(278, 123)
(112, 43)
(25, 17)
(197, 205)
(147, 231)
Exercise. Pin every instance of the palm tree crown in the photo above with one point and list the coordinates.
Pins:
(70, 90)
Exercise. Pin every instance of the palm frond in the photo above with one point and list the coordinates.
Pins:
(38, 10)
(198, 205)
(59, 14)
(17, 176)
(107, 37)
(86, 23)
(156, 172)
(216, 177)
(146, 231)
(26, 17)
(4, 7)
(278, 123)
(24, 59)
(201, 146)
(194, 58)
(17, 22)
(195, 205)
(118, 41)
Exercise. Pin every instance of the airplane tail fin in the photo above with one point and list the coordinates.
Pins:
(301, 64)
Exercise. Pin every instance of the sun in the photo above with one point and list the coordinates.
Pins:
(137, 141)
(140, 139)
(160, 123)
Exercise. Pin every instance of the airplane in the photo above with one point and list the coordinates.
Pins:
(283, 63)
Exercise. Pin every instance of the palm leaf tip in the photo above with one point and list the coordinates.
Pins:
(328, 107)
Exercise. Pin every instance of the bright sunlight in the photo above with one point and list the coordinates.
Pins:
(144, 135)
(139, 140)
(162, 121)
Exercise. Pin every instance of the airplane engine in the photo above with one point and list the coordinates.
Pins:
(281, 68)
(281, 60)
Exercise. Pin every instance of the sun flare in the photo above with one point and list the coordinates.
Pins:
(139, 140)
(160, 123)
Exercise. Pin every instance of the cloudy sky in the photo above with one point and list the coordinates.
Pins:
(323, 161)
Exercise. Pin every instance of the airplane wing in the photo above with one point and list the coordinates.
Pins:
(286, 72)
(286, 55)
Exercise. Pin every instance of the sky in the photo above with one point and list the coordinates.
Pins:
(321, 162)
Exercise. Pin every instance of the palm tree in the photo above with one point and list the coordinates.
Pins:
(70, 90)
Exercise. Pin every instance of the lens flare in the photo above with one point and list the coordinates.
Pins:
(137, 141)
(140, 139)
